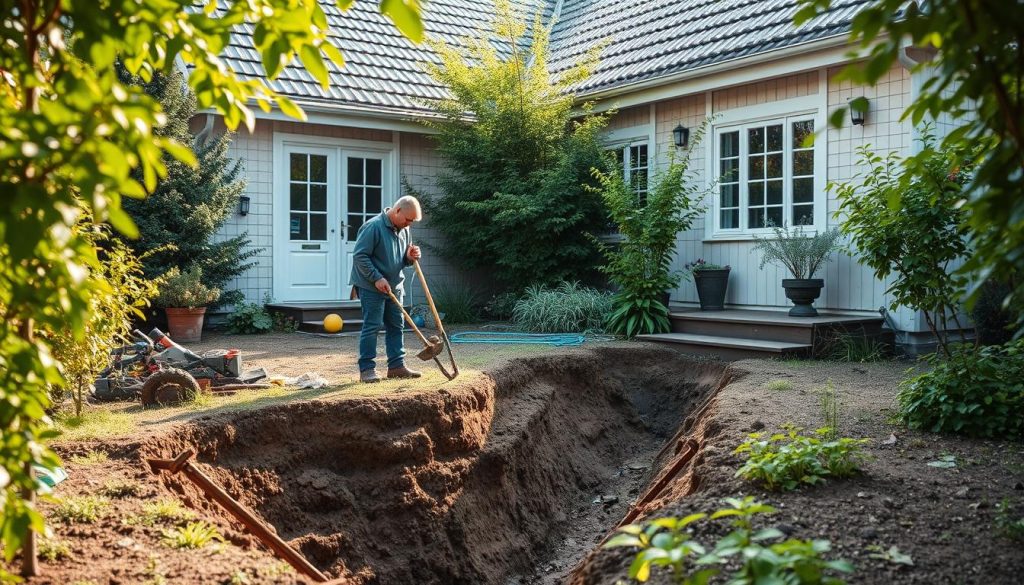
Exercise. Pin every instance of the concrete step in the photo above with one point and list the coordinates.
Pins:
(771, 325)
(317, 326)
(730, 348)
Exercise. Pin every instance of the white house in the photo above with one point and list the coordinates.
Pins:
(765, 82)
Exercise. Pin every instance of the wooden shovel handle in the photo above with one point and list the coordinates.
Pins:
(408, 319)
(430, 299)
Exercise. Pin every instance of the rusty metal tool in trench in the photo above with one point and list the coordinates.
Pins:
(264, 533)
(434, 345)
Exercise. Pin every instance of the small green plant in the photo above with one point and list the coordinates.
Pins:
(701, 264)
(1008, 523)
(828, 400)
(120, 489)
(165, 511)
(249, 318)
(567, 308)
(975, 392)
(185, 289)
(278, 569)
(91, 458)
(239, 577)
(460, 304)
(788, 460)
(501, 305)
(779, 385)
(283, 323)
(81, 509)
(193, 535)
(845, 347)
(889, 555)
(798, 252)
(754, 559)
(53, 550)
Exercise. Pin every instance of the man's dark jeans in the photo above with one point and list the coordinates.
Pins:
(379, 309)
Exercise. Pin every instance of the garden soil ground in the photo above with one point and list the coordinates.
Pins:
(518, 470)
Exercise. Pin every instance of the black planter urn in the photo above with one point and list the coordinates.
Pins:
(803, 292)
(711, 286)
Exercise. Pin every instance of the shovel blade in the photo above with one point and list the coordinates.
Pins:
(432, 350)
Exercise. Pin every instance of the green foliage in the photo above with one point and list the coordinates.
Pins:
(974, 392)
(640, 265)
(976, 78)
(126, 293)
(459, 303)
(74, 140)
(700, 264)
(993, 318)
(851, 347)
(667, 542)
(787, 460)
(185, 289)
(120, 489)
(178, 219)
(91, 458)
(913, 245)
(501, 305)
(165, 511)
(567, 308)
(81, 509)
(796, 251)
(513, 201)
(1009, 524)
(284, 323)
(828, 400)
(779, 385)
(53, 550)
(249, 318)
(192, 536)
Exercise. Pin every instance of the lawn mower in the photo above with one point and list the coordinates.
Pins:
(161, 372)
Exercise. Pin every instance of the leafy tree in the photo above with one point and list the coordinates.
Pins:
(977, 77)
(917, 242)
(72, 136)
(192, 202)
(513, 198)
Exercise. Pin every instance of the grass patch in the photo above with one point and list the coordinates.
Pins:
(164, 511)
(192, 536)
(81, 509)
(120, 489)
(95, 424)
(828, 400)
(779, 385)
(53, 550)
(91, 458)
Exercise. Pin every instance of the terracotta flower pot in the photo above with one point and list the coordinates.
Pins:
(186, 325)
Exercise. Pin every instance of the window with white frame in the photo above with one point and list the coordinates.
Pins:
(766, 174)
(635, 168)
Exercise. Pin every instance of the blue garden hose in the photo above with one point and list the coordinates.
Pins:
(552, 339)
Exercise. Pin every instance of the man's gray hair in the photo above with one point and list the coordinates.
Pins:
(410, 204)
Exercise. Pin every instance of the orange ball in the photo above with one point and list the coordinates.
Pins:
(333, 323)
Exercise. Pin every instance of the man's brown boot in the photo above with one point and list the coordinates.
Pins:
(369, 376)
(403, 372)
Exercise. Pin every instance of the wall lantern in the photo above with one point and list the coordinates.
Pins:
(858, 110)
(243, 205)
(681, 135)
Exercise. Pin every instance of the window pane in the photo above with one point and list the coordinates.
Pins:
(756, 218)
(775, 138)
(803, 130)
(638, 156)
(774, 216)
(318, 168)
(755, 193)
(298, 197)
(803, 162)
(639, 180)
(297, 226)
(318, 226)
(355, 171)
(803, 214)
(730, 218)
(373, 171)
(729, 196)
(298, 167)
(756, 168)
(774, 165)
(756, 140)
(355, 199)
(730, 144)
(775, 193)
(318, 197)
(374, 200)
(803, 190)
(354, 223)
(730, 170)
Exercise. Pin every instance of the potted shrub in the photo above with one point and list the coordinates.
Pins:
(711, 280)
(802, 254)
(185, 297)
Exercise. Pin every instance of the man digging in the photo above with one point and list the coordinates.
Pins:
(382, 251)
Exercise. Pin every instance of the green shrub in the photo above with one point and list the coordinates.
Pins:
(787, 460)
(975, 392)
(250, 318)
(460, 304)
(666, 542)
(568, 308)
(501, 305)
(799, 253)
(185, 289)
(81, 509)
(846, 347)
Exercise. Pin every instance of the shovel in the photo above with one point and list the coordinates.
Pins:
(432, 345)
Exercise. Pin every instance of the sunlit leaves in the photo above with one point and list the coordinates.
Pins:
(406, 16)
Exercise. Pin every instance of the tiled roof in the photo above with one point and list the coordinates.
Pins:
(645, 39)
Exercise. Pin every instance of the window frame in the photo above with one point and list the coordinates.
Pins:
(625, 149)
(740, 120)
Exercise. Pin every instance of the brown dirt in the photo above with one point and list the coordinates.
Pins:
(516, 476)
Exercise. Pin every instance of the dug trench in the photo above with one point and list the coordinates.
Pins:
(512, 478)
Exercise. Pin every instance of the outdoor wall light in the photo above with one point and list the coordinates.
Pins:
(681, 135)
(243, 205)
(858, 110)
